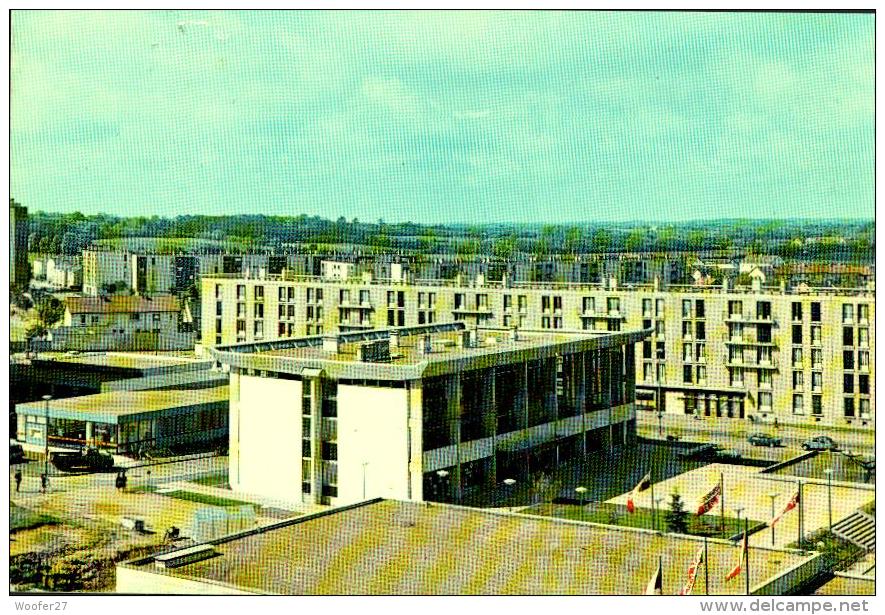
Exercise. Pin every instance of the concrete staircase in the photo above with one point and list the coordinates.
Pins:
(859, 528)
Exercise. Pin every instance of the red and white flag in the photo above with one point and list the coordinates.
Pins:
(693, 572)
(709, 500)
(793, 503)
(737, 569)
(644, 484)
(655, 585)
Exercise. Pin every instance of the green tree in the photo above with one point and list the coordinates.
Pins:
(677, 517)
(35, 329)
(50, 310)
(504, 247)
(602, 240)
(634, 240)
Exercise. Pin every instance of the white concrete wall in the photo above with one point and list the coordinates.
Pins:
(372, 429)
(147, 581)
(265, 430)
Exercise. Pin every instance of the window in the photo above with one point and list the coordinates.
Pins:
(281, 294)
(241, 310)
(646, 349)
(863, 384)
(702, 374)
(258, 328)
(330, 451)
(817, 358)
(660, 350)
(848, 407)
(848, 383)
(817, 407)
(218, 291)
(765, 402)
(647, 372)
(508, 301)
(815, 311)
(259, 310)
(798, 404)
(687, 353)
(686, 329)
(614, 305)
(687, 373)
(847, 359)
(864, 408)
(135, 316)
(699, 308)
(863, 360)
(659, 308)
(763, 310)
(659, 328)
(797, 357)
(737, 377)
(763, 334)
(259, 293)
(700, 352)
(765, 379)
(557, 304)
(646, 307)
(817, 381)
(305, 448)
(863, 313)
(364, 297)
(589, 305)
(700, 331)
(686, 308)
(735, 309)
(797, 311)
(815, 335)
(847, 336)
(798, 380)
(241, 292)
(863, 337)
(763, 356)
(797, 334)
(847, 313)
(736, 331)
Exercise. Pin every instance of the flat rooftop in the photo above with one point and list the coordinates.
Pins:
(109, 407)
(409, 548)
(123, 360)
(409, 357)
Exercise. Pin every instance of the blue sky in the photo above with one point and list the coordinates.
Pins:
(444, 116)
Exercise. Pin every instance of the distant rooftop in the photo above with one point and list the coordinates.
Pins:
(128, 360)
(409, 353)
(388, 547)
(122, 304)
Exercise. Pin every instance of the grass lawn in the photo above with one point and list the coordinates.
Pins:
(616, 514)
(24, 519)
(212, 480)
(199, 498)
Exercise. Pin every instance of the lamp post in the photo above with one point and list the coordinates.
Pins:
(654, 512)
(772, 495)
(581, 491)
(660, 402)
(46, 399)
(829, 473)
(737, 511)
(443, 474)
(510, 482)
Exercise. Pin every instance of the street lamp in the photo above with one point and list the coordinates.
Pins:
(772, 495)
(581, 491)
(46, 399)
(657, 507)
(737, 511)
(510, 482)
(443, 474)
(829, 473)
(660, 355)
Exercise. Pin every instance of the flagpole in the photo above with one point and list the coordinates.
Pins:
(722, 502)
(654, 514)
(661, 568)
(747, 555)
(706, 568)
(801, 515)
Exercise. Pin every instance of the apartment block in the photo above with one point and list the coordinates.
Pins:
(801, 357)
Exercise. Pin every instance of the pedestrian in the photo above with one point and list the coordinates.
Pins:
(18, 480)
(44, 482)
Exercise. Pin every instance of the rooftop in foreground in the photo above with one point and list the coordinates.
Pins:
(388, 547)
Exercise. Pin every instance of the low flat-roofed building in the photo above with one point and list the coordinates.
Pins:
(386, 547)
(127, 421)
(437, 412)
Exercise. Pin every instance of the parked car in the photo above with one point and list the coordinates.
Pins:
(820, 443)
(16, 453)
(763, 439)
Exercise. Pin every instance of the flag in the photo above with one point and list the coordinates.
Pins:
(709, 501)
(644, 484)
(655, 585)
(793, 503)
(693, 572)
(737, 569)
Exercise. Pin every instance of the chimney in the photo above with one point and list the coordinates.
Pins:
(330, 344)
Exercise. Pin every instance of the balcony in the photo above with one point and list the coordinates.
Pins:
(351, 305)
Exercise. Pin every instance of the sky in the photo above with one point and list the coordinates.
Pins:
(444, 117)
